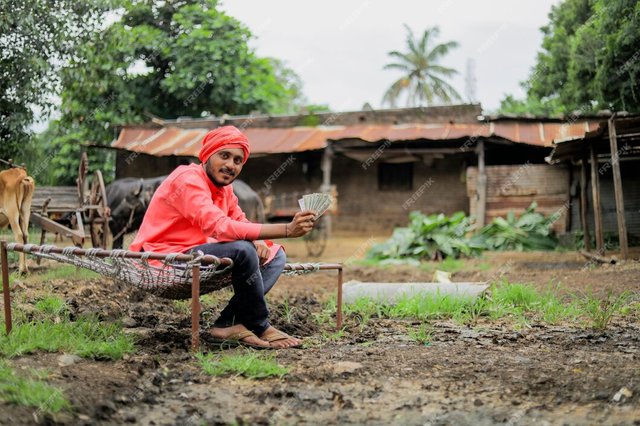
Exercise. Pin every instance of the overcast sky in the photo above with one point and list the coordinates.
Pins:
(340, 47)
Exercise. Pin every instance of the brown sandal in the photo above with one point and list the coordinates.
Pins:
(274, 336)
(236, 340)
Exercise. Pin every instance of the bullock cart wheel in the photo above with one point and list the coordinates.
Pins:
(316, 240)
(98, 212)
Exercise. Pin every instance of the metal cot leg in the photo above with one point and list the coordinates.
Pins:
(339, 314)
(195, 309)
(6, 291)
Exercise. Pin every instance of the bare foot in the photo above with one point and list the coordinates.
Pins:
(279, 340)
(228, 333)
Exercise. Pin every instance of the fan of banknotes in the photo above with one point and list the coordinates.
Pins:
(317, 202)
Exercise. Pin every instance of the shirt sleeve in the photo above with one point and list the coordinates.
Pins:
(192, 200)
(235, 212)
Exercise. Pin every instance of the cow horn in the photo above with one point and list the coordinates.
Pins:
(140, 187)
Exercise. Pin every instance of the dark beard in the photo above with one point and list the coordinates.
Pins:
(213, 179)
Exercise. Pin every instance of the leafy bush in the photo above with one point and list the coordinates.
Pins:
(530, 231)
(437, 236)
(429, 238)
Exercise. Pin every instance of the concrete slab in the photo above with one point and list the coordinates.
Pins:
(391, 292)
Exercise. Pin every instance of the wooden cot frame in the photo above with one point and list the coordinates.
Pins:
(195, 283)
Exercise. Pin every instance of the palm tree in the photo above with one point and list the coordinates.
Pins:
(424, 79)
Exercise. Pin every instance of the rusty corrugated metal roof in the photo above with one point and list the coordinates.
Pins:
(573, 147)
(173, 140)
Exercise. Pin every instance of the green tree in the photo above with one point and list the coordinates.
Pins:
(590, 60)
(295, 99)
(168, 59)
(424, 79)
(36, 37)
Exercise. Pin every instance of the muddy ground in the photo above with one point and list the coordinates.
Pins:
(494, 373)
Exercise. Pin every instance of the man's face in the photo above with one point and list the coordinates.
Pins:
(224, 166)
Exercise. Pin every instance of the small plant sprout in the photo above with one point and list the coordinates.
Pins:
(333, 336)
(601, 311)
(287, 309)
(422, 334)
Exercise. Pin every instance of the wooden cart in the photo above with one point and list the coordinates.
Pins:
(65, 210)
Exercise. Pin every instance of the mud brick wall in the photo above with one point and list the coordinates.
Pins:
(515, 187)
(365, 209)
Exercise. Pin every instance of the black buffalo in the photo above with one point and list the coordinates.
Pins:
(129, 198)
(249, 201)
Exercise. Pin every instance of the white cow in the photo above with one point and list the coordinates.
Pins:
(16, 192)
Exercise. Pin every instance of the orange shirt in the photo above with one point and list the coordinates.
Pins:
(188, 210)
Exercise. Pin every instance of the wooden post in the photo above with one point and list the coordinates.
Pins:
(617, 186)
(339, 307)
(6, 291)
(327, 159)
(584, 204)
(597, 208)
(481, 186)
(195, 308)
(569, 223)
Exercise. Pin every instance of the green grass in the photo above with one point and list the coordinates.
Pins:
(423, 334)
(86, 337)
(333, 336)
(522, 304)
(29, 392)
(450, 264)
(34, 234)
(59, 271)
(429, 306)
(363, 309)
(472, 312)
(552, 310)
(52, 331)
(601, 311)
(325, 316)
(516, 295)
(7, 235)
(52, 306)
(250, 365)
(287, 310)
(64, 272)
(484, 266)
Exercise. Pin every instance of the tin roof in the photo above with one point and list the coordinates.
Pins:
(174, 139)
(628, 135)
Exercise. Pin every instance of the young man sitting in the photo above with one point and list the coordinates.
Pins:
(195, 209)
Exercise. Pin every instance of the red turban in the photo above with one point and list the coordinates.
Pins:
(223, 137)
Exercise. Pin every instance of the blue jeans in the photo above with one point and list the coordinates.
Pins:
(251, 281)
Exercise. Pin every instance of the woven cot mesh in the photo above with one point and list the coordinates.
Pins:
(171, 280)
